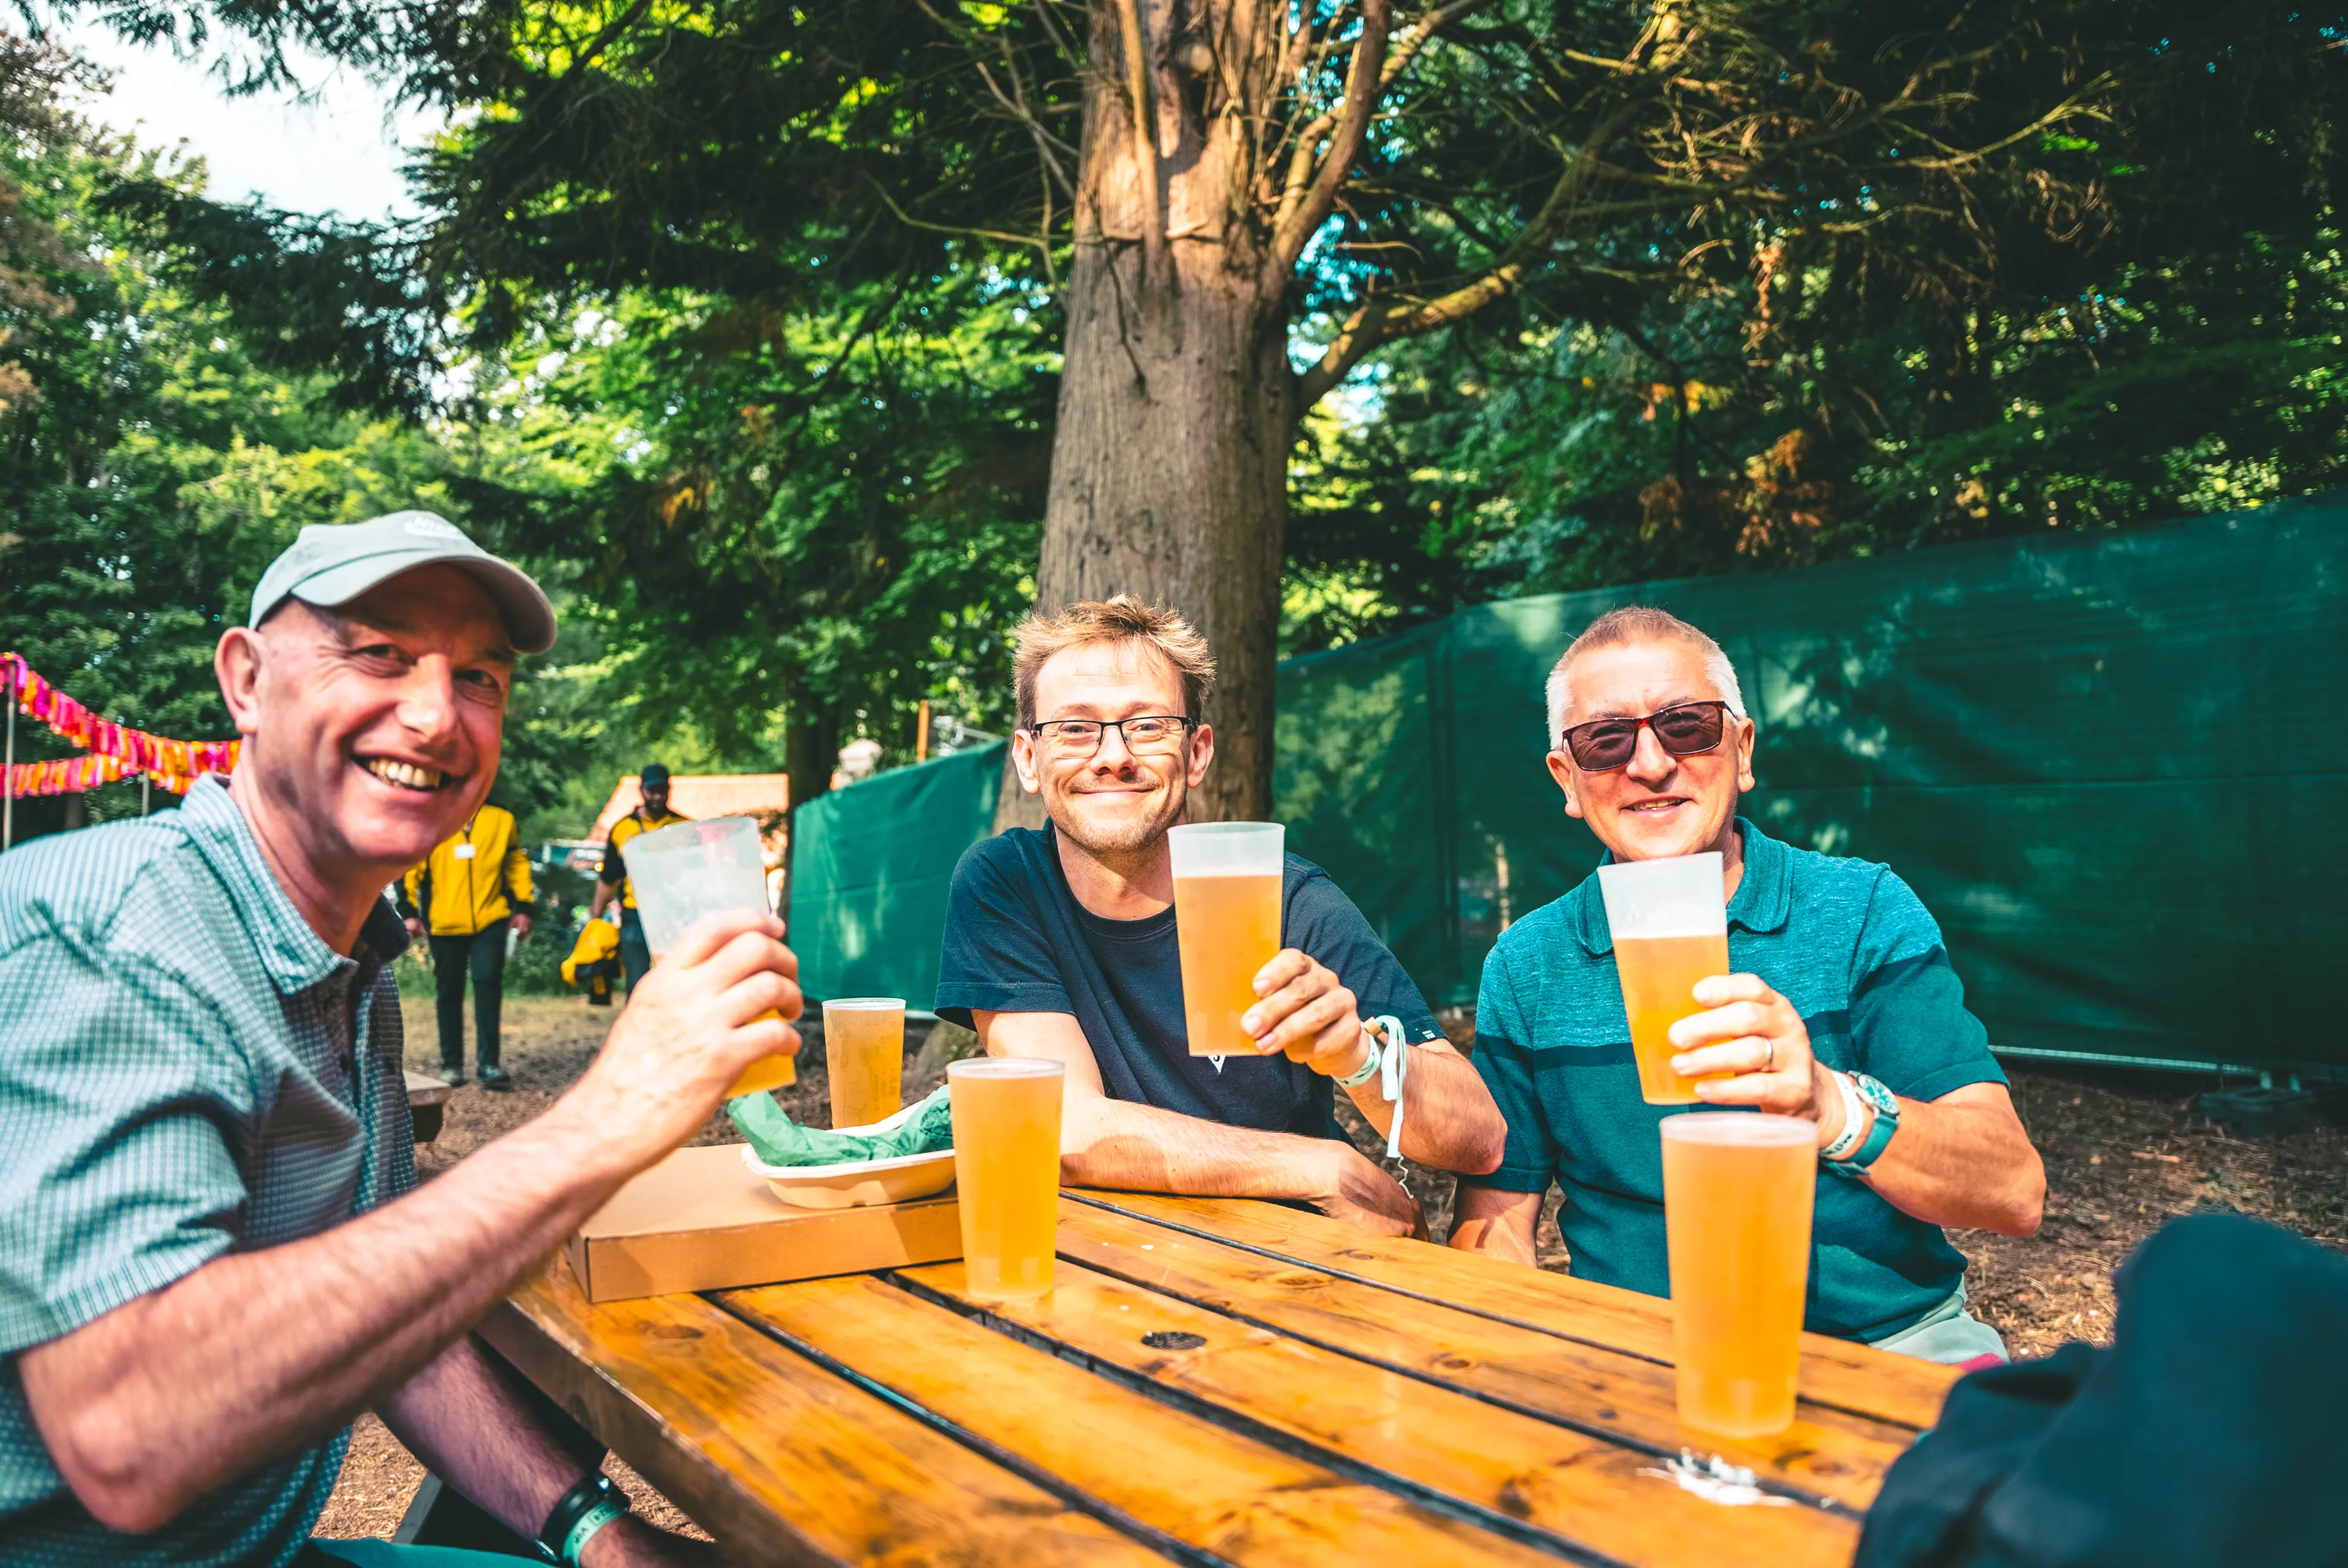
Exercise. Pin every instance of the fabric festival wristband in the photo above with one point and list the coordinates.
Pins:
(589, 1525)
(1855, 1120)
(1390, 1058)
(1368, 1070)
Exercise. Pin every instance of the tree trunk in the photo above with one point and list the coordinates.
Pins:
(810, 745)
(1170, 466)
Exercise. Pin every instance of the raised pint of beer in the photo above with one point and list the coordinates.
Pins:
(1738, 1187)
(689, 870)
(1227, 924)
(1670, 923)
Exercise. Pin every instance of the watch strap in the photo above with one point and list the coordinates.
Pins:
(1885, 1106)
(577, 1517)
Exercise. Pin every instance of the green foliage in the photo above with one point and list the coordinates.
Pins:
(155, 470)
(788, 529)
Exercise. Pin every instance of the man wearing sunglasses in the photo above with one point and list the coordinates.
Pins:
(1061, 943)
(1843, 1011)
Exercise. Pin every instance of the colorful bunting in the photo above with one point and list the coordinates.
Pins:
(116, 751)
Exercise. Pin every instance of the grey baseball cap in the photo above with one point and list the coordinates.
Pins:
(332, 564)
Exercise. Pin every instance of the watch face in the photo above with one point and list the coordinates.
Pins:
(1875, 1095)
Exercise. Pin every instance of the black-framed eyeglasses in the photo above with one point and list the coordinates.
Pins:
(1148, 734)
(1684, 730)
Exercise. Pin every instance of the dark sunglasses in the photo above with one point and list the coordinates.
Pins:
(1685, 731)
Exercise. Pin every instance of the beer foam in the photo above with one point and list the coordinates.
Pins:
(1004, 1067)
(1744, 1129)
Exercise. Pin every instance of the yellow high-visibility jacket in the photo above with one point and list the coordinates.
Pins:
(472, 881)
(598, 940)
(615, 869)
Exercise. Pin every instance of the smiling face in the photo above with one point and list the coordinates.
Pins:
(1110, 801)
(1659, 804)
(372, 731)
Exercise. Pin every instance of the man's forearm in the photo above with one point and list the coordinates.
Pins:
(254, 1354)
(1118, 1144)
(464, 1418)
(1449, 1121)
(1968, 1166)
(1497, 1223)
(602, 900)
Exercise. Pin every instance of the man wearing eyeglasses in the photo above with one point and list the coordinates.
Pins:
(1061, 943)
(1843, 1011)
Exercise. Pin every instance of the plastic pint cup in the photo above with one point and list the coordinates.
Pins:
(1227, 924)
(1670, 924)
(1007, 1133)
(689, 870)
(864, 1058)
(1737, 1191)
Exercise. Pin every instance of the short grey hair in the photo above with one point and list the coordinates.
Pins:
(1637, 623)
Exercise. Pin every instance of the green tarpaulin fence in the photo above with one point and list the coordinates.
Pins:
(871, 865)
(2113, 766)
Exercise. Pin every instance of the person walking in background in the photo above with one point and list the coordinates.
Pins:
(611, 880)
(463, 899)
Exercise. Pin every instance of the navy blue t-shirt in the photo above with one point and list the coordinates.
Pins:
(1016, 940)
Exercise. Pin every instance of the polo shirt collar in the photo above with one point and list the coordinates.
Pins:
(296, 957)
(1763, 900)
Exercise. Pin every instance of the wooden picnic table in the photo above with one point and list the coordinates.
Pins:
(1210, 1382)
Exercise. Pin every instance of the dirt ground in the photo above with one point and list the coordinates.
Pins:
(2124, 1152)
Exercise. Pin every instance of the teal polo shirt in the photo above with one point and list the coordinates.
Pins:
(186, 1070)
(1857, 954)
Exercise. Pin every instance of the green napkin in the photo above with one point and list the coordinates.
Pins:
(779, 1140)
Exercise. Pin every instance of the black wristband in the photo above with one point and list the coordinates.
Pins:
(593, 1492)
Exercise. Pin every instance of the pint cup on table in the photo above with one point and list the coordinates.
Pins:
(1006, 1135)
(1227, 925)
(1737, 1192)
(689, 870)
(864, 1058)
(1670, 923)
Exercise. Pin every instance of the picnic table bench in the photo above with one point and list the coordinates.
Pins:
(427, 1101)
(1210, 1382)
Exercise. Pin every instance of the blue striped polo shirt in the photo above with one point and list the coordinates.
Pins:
(1853, 949)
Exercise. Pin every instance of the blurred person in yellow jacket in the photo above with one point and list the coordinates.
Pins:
(612, 882)
(594, 961)
(463, 899)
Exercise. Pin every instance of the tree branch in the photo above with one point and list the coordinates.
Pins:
(1368, 327)
(1364, 83)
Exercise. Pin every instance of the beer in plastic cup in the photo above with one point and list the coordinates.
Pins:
(1007, 1133)
(689, 870)
(1737, 1190)
(1670, 923)
(1227, 924)
(864, 1056)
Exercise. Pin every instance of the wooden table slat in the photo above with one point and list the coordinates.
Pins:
(781, 1460)
(1826, 1453)
(1237, 1498)
(1835, 1372)
(1603, 1495)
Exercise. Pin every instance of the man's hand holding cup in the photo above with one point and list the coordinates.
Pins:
(714, 1003)
(1756, 1037)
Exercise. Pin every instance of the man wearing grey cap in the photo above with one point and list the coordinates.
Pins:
(213, 1253)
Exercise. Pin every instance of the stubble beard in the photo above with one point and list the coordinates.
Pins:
(1123, 838)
